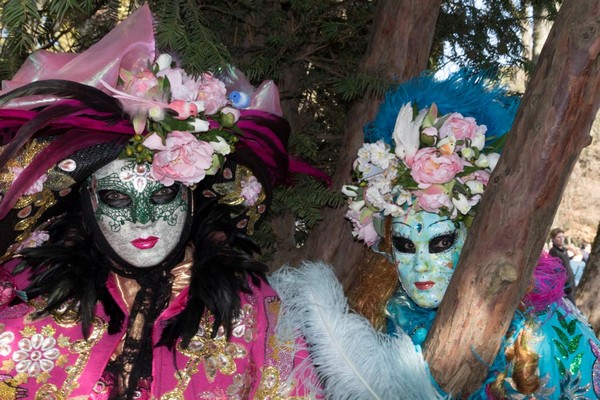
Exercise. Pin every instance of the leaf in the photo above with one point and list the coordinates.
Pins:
(561, 348)
(497, 145)
(571, 327)
(576, 364)
(561, 319)
(561, 367)
(574, 343)
(562, 335)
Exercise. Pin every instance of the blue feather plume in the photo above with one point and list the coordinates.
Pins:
(472, 95)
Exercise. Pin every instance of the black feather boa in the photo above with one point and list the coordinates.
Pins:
(69, 268)
(222, 266)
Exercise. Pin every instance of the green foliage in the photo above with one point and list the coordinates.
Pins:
(306, 200)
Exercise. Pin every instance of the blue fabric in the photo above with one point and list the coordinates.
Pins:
(567, 348)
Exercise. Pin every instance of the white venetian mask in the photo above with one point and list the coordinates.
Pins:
(141, 219)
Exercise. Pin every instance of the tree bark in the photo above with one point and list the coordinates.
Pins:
(550, 130)
(587, 290)
(400, 44)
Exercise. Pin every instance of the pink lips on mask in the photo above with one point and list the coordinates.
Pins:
(426, 285)
(145, 243)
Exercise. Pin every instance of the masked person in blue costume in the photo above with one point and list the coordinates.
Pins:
(420, 175)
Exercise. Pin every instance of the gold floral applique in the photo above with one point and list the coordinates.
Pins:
(81, 347)
(217, 355)
(36, 355)
(272, 388)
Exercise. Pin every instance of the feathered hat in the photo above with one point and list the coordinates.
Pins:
(63, 116)
(431, 147)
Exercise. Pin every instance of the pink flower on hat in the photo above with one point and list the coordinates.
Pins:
(37, 186)
(460, 127)
(183, 158)
(139, 85)
(251, 189)
(363, 227)
(181, 85)
(429, 167)
(433, 198)
(213, 93)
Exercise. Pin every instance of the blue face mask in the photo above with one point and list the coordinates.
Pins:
(425, 251)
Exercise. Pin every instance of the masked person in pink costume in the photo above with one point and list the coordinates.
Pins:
(128, 189)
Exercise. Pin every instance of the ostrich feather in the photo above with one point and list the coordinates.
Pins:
(88, 95)
(353, 359)
(30, 128)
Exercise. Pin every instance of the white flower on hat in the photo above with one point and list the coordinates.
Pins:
(406, 132)
(221, 146)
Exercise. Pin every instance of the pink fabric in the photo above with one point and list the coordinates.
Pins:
(253, 350)
(130, 45)
(266, 98)
(269, 146)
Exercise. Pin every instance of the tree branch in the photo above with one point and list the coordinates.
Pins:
(550, 130)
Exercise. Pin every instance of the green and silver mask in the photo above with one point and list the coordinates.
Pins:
(140, 218)
(425, 251)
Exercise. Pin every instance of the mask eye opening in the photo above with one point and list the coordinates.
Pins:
(403, 245)
(442, 242)
(114, 198)
(165, 194)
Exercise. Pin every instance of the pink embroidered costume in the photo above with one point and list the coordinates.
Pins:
(127, 191)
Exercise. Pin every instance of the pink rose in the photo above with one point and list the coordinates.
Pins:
(213, 93)
(184, 158)
(363, 228)
(251, 189)
(479, 176)
(433, 198)
(181, 85)
(429, 167)
(462, 128)
(140, 84)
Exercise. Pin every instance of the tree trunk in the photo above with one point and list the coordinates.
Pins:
(400, 44)
(587, 290)
(541, 28)
(550, 130)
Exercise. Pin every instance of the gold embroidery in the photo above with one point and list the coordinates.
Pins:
(217, 355)
(67, 315)
(28, 331)
(8, 365)
(48, 330)
(81, 347)
(232, 195)
(271, 388)
(43, 200)
(49, 392)
(9, 390)
(43, 377)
